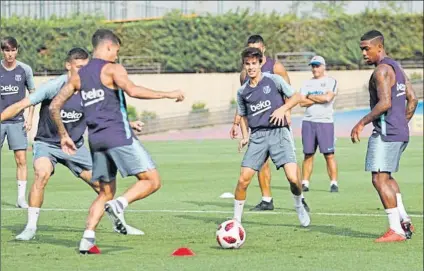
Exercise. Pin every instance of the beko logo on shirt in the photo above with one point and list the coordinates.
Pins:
(8, 90)
(68, 117)
(260, 107)
(94, 95)
(401, 89)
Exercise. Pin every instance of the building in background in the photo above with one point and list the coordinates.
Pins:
(124, 10)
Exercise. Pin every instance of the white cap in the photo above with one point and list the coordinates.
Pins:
(317, 60)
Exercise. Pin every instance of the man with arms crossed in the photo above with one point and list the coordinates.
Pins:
(15, 76)
(271, 67)
(47, 151)
(318, 96)
(262, 108)
(101, 84)
(393, 103)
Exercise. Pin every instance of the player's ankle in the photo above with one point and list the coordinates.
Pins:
(334, 182)
(305, 183)
(267, 199)
(123, 202)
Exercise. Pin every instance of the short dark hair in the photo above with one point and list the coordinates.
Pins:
(373, 34)
(104, 34)
(77, 53)
(9, 43)
(252, 52)
(255, 39)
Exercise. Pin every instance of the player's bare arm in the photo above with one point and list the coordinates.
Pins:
(28, 121)
(280, 70)
(57, 103)
(244, 131)
(321, 98)
(120, 78)
(411, 99)
(14, 109)
(384, 78)
(237, 118)
(277, 117)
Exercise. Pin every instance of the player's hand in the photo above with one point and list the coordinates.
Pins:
(356, 131)
(68, 145)
(277, 117)
(27, 125)
(178, 95)
(137, 125)
(233, 131)
(243, 143)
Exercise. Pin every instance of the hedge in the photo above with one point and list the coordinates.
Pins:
(213, 43)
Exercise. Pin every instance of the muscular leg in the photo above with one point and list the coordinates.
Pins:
(42, 169)
(21, 176)
(292, 174)
(148, 183)
(332, 171)
(85, 175)
(395, 186)
(264, 178)
(246, 175)
(307, 167)
(331, 166)
(381, 182)
(107, 192)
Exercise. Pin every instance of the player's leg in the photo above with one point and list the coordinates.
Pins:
(104, 170)
(96, 211)
(43, 168)
(86, 175)
(18, 142)
(246, 175)
(282, 153)
(264, 178)
(254, 159)
(309, 142)
(381, 161)
(326, 143)
(132, 160)
(405, 219)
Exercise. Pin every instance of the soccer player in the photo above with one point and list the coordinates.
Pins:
(47, 151)
(101, 84)
(393, 103)
(318, 96)
(272, 67)
(262, 108)
(15, 76)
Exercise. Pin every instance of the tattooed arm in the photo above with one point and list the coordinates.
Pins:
(68, 146)
(384, 78)
(411, 99)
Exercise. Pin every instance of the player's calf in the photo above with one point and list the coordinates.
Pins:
(240, 193)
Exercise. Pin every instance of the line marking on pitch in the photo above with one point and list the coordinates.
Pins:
(209, 212)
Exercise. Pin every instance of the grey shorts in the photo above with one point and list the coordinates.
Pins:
(130, 160)
(275, 143)
(383, 156)
(76, 163)
(16, 136)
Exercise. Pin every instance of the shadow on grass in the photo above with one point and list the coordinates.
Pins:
(326, 229)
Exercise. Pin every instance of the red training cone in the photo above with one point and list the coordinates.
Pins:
(183, 251)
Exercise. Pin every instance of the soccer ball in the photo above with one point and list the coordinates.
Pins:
(230, 234)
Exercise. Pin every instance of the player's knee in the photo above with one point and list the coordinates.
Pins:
(308, 156)
(329, 157)
(20, 161)
(41, 179)
(243, 182)
(156, 184)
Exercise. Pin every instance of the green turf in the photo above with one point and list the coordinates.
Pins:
(194, 174)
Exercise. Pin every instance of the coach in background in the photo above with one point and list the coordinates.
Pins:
(318, 96)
